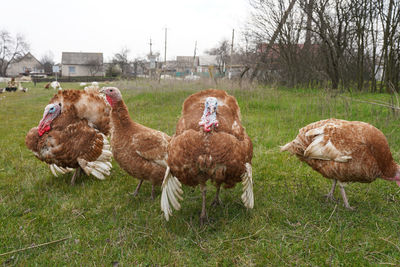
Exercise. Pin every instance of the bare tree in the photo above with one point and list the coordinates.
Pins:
(346, 43)
(267, 20)
(95, 67)
(332, 20)
(121, 59)
(372, 37)
(11, 48)
(222, 51)
(47, 60)
(138, 66)
(389, 12)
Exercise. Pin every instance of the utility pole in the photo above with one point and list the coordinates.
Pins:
(151, 52)
(165, 48)
(230, 61)
(194, 57)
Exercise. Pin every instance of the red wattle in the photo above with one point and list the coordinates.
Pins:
(42, 130)
(109, 99)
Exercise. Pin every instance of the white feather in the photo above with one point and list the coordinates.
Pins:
(316, 131)
(56, 170)
(317, 150)
(171, 192)
(101, 166)
(53, 171)
(247, 180)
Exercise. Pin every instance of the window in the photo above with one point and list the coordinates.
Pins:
(71, 69)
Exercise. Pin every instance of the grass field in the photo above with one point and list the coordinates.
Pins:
(291, 224)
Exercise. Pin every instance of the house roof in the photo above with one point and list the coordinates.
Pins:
(81, 58)
(208, 60)
(27, 56)
(187, 59)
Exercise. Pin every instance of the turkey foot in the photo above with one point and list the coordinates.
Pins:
(134, 194)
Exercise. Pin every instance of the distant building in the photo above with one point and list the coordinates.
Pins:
(25, 65)
(82, 64)
(187, 64)
(205, 62)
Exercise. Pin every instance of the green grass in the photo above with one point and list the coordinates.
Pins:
(291, 224)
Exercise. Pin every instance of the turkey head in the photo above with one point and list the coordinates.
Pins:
(113, 95)
(209, 118)
(51, 112)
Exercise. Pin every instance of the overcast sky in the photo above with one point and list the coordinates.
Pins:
(108, 26)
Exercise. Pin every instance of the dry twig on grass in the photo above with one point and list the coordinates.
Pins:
(35, 246)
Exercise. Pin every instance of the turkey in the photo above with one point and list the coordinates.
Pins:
(210, 143)
(345, 151)
(21, 88)
(139, 150)
(54, 84)
(73, 134)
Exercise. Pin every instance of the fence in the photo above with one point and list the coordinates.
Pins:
(76, 79)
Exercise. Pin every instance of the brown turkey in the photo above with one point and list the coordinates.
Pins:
(139, 150)
(73, 134)
(210, 143)
(345, 151)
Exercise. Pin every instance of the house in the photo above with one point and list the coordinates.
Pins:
(186, 64)
(25, 65)
(82, 64)
(205, 63)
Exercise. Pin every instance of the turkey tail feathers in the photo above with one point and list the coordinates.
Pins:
(247, 181)
(55, 170)
(287, 147)
(171, 192)
(102, 165)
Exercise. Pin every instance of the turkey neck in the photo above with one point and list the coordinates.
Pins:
(121, 119)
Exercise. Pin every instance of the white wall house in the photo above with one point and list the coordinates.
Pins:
(26, 64)
(75, 64)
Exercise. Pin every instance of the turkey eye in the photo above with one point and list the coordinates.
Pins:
(111, 90)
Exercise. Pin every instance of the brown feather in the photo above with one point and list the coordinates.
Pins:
(139, 150)
(366, 145)
(228, 113)
(88, 105)
(63, 145)
(220, 155)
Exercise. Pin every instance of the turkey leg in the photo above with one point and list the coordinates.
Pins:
(203, 215)
(137, 188)
(153, 192)
(217, 201)
(76, 174)
(329, 196)
(346, 202)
